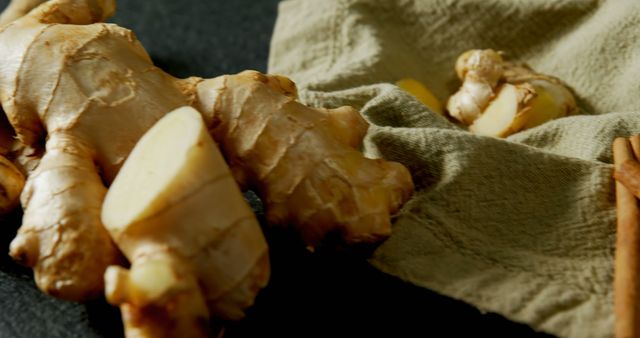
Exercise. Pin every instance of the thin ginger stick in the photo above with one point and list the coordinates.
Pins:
(627, 262)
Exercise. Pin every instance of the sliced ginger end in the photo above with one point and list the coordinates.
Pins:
(504, 115)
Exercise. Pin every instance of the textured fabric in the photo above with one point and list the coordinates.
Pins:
(524, 227)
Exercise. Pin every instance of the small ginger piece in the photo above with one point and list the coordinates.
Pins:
(195, 246)
(422, 93)
(490, 84)
(480, 71)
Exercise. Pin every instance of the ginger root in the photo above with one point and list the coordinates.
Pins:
(194, 244)
(88, 91)
(304, 162)
(499, 98)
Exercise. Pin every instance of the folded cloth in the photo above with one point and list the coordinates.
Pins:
(523, 226)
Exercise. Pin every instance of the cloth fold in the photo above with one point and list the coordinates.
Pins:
(523, 226)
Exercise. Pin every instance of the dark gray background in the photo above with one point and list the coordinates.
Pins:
(309, 295)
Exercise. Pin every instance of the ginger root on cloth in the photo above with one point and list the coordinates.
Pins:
(79, 94)
(304, 162)
(499, 98)
(194, 244)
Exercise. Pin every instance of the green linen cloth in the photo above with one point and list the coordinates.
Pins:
(523, 226)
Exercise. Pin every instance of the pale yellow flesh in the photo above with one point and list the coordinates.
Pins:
(499, 117)
(155, 279)
(422, 93)
(176, 213)
(507, 114)
(552, 101)
(164, 152)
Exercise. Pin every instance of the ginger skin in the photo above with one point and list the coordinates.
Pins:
(92, 93)
(195, 246)
(11, 178)
(304, 162)
(11, 185)
(499, 98)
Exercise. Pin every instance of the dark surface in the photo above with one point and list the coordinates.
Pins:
(309, 295)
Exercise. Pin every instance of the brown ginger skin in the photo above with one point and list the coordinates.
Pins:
(499, 98)
(304, 161)
(93, 91)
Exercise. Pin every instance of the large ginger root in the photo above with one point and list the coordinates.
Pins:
(304, 162)
(179, 217)
(499, 98)
(89, 91)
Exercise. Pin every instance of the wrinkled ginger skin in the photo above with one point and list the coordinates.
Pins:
(304, 162)
(61, 235)
(93, 91)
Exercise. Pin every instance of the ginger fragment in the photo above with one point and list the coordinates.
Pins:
(422, 93)
(490, 84)
(195, 246)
